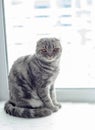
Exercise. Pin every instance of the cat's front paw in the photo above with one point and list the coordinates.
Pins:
(58, 105)
(54, 108)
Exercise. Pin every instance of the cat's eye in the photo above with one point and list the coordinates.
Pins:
(43, 50)
(55, 49)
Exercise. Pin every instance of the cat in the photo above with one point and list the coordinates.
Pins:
(31, 81)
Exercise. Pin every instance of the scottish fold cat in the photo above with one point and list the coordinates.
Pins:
(31, 81)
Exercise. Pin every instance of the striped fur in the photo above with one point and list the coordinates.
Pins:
(31, 81)
(11, 109)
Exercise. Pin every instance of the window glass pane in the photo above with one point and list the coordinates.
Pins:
(72, 21)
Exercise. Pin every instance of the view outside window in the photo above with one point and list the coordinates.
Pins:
(72, 21)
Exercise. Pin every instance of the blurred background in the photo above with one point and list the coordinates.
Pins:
(72, 21)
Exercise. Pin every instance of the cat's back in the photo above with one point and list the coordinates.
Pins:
(20, 65)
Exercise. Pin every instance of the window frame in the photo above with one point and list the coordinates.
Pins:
(63, 94)
(3, 56)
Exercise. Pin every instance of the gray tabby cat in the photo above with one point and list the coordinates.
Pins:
(31, 81)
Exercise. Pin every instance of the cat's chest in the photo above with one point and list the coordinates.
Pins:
(44, 74)
(49, 75)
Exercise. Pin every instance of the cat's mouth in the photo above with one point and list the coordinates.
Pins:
(49, 58)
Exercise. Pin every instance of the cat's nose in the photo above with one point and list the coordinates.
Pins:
(50, 55)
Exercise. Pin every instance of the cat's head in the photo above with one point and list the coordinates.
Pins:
(48, 49)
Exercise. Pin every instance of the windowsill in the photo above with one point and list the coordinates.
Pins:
(71, 116)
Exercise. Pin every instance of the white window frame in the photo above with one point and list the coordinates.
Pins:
(63, 94)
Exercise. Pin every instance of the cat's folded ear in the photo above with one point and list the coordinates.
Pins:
(56, 39)
(41, 40)
(46, 39)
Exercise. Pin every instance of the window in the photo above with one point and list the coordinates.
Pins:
(72, 21)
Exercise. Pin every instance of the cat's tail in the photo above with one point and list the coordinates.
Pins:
(25, 112)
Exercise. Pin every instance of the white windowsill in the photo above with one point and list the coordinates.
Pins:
(70, 117)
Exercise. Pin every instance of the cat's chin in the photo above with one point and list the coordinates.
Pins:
(50, 59)
(47, 59)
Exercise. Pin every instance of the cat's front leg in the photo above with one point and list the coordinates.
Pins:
(53, 96)
(46, 99)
